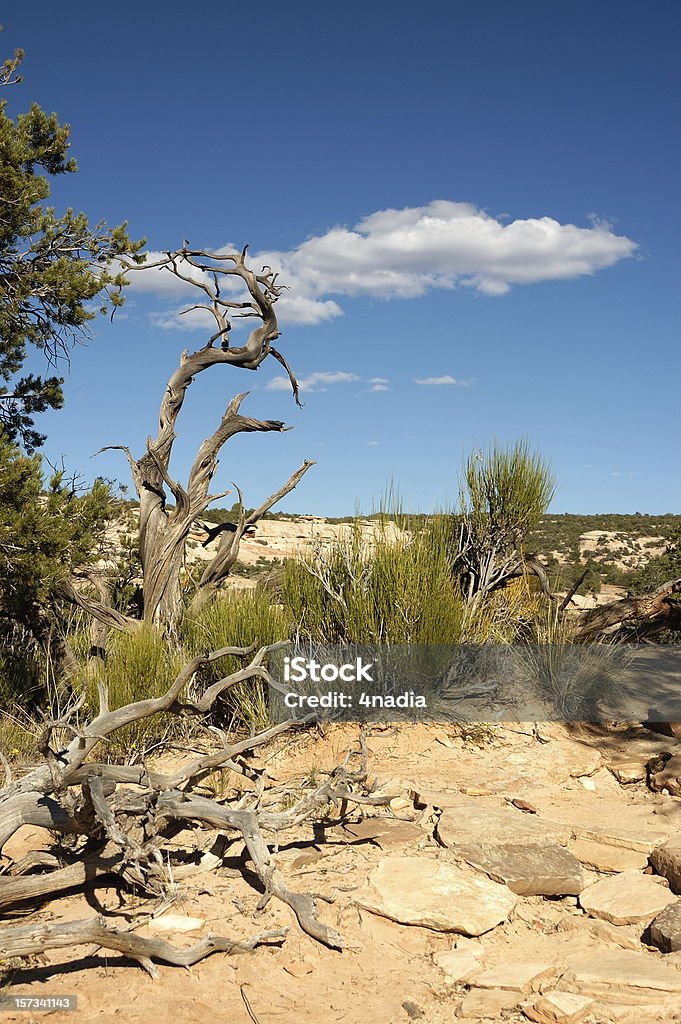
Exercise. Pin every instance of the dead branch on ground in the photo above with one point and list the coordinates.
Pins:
(117, 821)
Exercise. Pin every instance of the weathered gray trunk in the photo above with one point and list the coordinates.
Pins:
(168, 510)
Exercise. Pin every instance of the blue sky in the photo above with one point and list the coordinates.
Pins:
(482, 197)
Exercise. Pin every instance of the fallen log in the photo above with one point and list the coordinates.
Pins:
(28, 940)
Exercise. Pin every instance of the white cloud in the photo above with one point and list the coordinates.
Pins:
(301, 310)
(407, 253)
(437, 381)
(379, 387)
(174, 318)
(372, 444)
(620, 475)
(314, 381)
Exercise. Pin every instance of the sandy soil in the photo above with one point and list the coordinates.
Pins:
(386, 966)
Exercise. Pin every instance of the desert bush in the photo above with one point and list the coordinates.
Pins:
(503, 496)
(237, 619)
(576, 680)
(393, 588)
(505, 616)
(138, 666)
(19, 734)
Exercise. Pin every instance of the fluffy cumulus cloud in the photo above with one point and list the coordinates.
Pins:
(406, 253)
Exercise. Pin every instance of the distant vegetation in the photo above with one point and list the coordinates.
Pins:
(556, 541)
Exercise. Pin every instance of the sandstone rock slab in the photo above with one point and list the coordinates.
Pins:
(666, 859)
(527, 869)
(426, 892)
(628, 772)
(457, 964)
(486, 1004)
(523, 977)
(604, 857)
(625, 838)
(665, 930)
(626, 937)
(627, 898)
(382, 831)
(482, 823)
(559, 1008)
(623, 977)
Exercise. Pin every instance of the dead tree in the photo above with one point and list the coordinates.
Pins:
(633, 618)
(120, 819)
(169, 509)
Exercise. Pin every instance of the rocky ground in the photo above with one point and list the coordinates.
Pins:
(517, 874)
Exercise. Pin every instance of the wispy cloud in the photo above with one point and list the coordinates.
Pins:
(437, 381)
(372, 444)
(407, 253)
(622, 475)
(317, 381)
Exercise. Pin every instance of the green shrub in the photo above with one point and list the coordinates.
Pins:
(237, 619)
(23, 667)
(393, 588)
(138, 666)
(18, 734)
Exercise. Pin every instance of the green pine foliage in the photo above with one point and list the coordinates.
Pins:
(46, 530)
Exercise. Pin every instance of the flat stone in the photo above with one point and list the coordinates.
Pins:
(628, 772)
(608, 858)
(527, 869)
(627, 898)
(591, 761)
(626, 838)
(399, 803)
(514, 977)
(623, 977)
(457, 964)
(559, 1008)
(175, 923)
(665, 930)
(383, 831)
(482, 823)
(486, 1003)
(426, 892)
(666, 859)
(616, 935)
